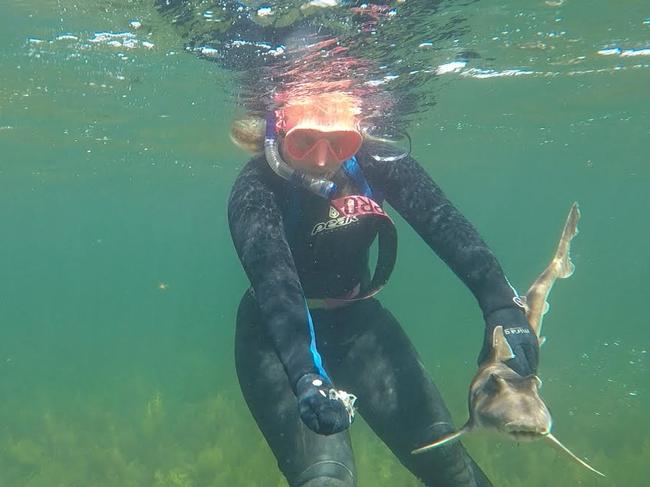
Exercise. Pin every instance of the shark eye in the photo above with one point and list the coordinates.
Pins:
(497, 379)
(494, 383)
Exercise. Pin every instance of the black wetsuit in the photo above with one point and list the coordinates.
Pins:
(363, 347)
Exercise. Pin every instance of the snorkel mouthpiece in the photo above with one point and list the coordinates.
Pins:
(321, 187)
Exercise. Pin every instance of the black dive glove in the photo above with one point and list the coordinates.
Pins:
(520, 337)
(322, 408)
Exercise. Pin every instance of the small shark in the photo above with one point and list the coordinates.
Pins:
(499, 398)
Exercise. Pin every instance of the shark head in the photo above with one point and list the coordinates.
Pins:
(502, 400)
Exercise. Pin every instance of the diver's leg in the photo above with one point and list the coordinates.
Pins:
(304, 457)
(399, 400)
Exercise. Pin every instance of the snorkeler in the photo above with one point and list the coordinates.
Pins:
(312, 341)
(311, 338)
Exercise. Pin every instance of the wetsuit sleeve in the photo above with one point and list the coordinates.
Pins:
(257, 231)
(420, 201)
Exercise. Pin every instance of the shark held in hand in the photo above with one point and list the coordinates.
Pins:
(499, 398)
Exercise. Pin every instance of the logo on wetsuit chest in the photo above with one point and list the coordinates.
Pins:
(358, 205)
(348, 209)
(334, 222)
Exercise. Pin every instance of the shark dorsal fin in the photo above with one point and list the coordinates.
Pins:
(501, 350)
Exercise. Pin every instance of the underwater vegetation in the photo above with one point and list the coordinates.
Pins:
(155, 439)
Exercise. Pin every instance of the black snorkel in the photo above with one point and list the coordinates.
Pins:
(321, 187)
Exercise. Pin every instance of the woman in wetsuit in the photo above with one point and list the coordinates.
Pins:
(311, 337)
(303, 213)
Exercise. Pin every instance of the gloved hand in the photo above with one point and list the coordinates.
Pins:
(520, 337)
(322, 414)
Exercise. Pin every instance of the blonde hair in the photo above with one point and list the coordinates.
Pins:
(247, 133)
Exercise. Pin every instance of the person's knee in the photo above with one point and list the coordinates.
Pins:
(326, 474)
(327, 482)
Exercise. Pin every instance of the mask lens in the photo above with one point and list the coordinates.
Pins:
(342, 144)
(299, 143)
(345, 144)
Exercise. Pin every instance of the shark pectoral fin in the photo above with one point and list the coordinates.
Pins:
(501, 350)
(556, 443)
(441, 441)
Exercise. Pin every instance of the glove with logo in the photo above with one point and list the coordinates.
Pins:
(519, 335)
(322, 408)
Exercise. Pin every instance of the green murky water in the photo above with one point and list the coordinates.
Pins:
(119, 283)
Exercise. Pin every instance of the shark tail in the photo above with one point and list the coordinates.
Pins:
(441, 441)
(556, 443)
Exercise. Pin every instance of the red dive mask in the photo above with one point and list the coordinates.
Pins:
(318, 146)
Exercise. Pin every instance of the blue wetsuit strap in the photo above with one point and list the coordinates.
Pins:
(292, 217)
(353, 170)
(318, 361)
